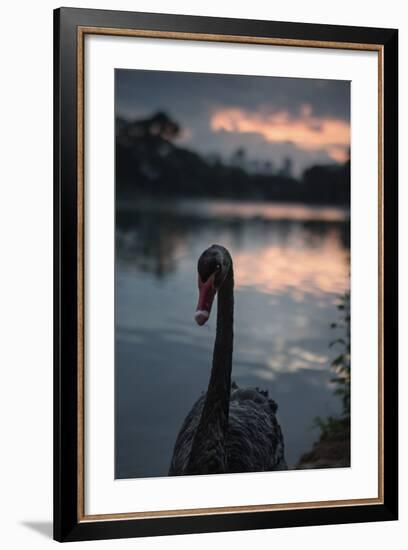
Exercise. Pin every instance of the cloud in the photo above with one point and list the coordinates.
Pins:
(193, 100)
(305, 130)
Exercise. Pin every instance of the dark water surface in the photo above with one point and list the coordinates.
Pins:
(290, 265)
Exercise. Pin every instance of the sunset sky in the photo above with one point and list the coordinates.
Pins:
(271, 118)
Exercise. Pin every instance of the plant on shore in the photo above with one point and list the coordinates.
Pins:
(334, 426)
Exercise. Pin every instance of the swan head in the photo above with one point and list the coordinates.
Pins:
(213, 267)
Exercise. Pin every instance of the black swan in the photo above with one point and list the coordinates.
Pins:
(228, 429)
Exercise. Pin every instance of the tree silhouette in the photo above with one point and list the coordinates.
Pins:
(148, 162)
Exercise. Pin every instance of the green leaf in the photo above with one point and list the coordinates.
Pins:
(338, 360)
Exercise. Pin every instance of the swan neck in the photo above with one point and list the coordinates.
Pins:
(210, 435)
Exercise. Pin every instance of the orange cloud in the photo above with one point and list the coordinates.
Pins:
(338, 153)
(306, 131)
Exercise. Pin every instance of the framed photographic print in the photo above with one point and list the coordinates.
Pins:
(225, 274)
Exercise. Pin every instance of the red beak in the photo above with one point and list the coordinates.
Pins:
(205, 299)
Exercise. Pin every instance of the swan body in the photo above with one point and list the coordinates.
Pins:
(254, 441)
(229, 429)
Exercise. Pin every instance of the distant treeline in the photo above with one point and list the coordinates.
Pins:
(149, 162)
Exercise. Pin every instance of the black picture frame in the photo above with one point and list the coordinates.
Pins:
(68, 525)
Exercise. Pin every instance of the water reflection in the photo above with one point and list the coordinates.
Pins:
(276, 248)
(294, 269)
(290, 264)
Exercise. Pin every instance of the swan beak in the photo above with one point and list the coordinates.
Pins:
(201, 316)
(205, 299)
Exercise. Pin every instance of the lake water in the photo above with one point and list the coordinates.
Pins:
(291, 263)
